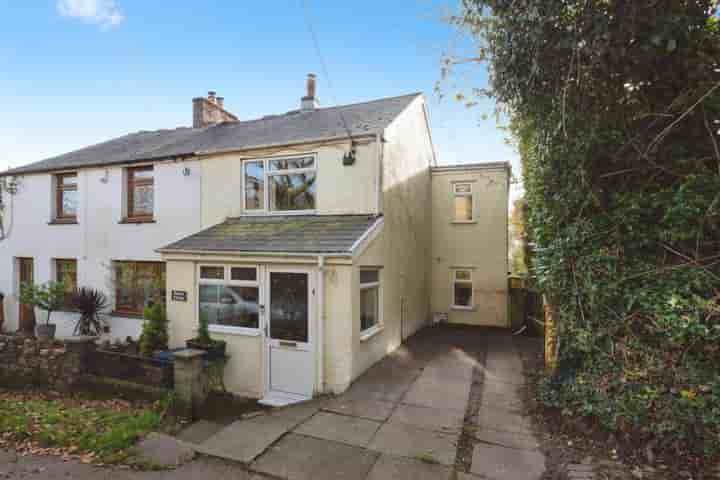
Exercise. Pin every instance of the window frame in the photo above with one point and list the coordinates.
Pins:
(57, 262)
(457, 194)
(366, 334)
(59, 215)
(120, 309)
(130, 184)
(267, 173)
(455, 281)
(228, 281)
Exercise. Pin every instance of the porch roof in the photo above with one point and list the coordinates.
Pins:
(311, 234)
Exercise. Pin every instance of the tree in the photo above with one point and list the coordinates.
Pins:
(615, 105)
(49, 296)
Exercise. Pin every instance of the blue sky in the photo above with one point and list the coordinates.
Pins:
(76, 72)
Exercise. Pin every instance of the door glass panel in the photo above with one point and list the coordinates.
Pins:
(289, 306)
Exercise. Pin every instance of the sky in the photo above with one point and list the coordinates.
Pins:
(78, 72)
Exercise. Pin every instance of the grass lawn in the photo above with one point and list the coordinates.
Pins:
(97, 431)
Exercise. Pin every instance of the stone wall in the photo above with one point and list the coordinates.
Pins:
(26, 360)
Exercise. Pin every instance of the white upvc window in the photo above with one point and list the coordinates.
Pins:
(370, 301)
(286, 185)
(462, 202)
(462, 289)
(229, 298)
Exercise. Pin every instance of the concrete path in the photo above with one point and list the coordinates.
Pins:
(406, 418)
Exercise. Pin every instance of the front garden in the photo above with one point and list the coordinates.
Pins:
(93, 430)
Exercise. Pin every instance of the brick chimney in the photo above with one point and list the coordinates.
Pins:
(309, 102)
(211, 110)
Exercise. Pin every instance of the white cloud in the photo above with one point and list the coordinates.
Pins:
(101, 12)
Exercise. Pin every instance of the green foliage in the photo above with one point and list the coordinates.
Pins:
(615, 108)
(49, 296)
(155, 330)
(90, 304)
(101, 429)
(203, 333)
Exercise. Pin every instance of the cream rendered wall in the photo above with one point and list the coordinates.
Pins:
(481, 246)
(244, 373)
(340, 189)
(403, 248)
(98, 238)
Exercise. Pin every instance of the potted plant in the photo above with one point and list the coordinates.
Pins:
(214, 348)
(90, 304)
(49, 297)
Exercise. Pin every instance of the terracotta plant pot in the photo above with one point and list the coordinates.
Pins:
(45, 331)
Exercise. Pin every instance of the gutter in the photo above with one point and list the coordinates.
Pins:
(179, 156)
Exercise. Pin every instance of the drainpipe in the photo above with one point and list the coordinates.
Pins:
(321, 321)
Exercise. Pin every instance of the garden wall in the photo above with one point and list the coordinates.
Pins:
(25, 360)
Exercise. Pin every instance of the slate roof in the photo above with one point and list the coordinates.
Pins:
(292, 127)
(312, 234)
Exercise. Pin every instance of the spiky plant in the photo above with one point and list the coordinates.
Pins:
(91, 304)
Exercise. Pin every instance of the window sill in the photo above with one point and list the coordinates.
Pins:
(136, 220)
(371, 332)
(463, 309)
(136, 316)
(61, 221)
(463, 222)
(240, 331)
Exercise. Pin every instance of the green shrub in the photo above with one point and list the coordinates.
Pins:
(154, 332)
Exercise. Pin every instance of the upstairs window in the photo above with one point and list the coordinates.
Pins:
(280, 184)
(463, 202)
(462, 289)
(66, 197)
(141, 193)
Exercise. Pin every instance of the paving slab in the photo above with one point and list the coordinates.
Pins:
(299, 412)
(297, 457)
(504, 420)
(511, 402)
(398, 468)
(199, 431)
(160, 450)
(363, 408)
(506, 439)
(438, 396)
(407, 441)
(244, 440)
(500, 463)
(340, 428)
(501, 388)
(446, 420)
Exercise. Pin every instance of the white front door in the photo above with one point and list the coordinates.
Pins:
(289, 333)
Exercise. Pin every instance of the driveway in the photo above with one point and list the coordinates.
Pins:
(447, 401)
(445, 405)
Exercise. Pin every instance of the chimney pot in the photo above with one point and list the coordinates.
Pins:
(211, 96)
(220, 102)
(210, 111)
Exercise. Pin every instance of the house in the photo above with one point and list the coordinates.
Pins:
(314, 241)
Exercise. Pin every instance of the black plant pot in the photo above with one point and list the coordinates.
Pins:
(214, 351)
(45, 331)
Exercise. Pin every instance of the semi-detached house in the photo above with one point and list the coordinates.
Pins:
(314, 241)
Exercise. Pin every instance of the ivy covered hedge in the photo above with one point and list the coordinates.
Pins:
(616, 108)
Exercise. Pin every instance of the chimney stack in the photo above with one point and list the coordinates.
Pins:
(211, 110)
(309, 102)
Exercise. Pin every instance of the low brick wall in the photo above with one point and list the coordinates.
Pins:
(131, 368)
(26, 360)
